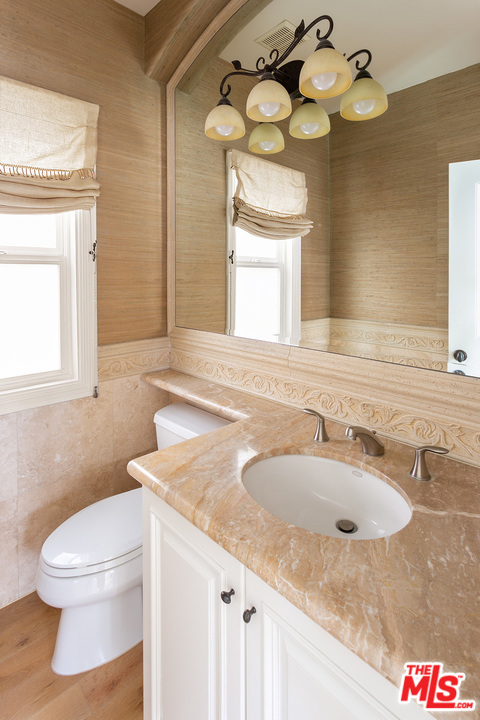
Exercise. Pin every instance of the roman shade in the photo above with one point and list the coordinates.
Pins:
(48, 148)
(270, 200)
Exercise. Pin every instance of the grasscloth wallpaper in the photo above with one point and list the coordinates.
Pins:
(57, 459)
(378, 195)
(200, 201)
(389, 201)
(93, 50)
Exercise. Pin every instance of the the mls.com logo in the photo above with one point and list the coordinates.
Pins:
(429, 686)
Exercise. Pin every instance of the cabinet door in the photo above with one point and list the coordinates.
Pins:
(194, 651)
(297, 671)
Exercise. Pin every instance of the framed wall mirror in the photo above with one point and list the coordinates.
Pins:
(374, 269)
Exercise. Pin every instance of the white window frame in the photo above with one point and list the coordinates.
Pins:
(288, 262)
(77, 376)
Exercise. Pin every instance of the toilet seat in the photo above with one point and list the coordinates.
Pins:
(99, 537)
(89, 569)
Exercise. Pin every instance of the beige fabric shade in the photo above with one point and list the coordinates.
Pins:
(270, 200)
(48, 148)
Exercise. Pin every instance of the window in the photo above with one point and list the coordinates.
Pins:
(258, 277)
(263, 282)
(47, 308)
(48, 188)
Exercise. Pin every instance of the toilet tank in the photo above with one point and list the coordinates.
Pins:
(180, 421)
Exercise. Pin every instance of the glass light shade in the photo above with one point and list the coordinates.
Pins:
(321, 62)
(309, 115)
(364, 90)
(223, 117)
(268, 93)
(265, 134)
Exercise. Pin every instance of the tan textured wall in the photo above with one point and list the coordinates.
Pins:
(200, 184)
(389, 205)
(389, 211)
(57, 459)
(93, 50)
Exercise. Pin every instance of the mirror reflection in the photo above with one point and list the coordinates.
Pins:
(371, 277)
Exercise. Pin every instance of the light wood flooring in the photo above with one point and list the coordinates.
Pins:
(30, 690)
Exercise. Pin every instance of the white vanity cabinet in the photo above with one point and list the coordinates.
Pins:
(193, 641)
(204, 662)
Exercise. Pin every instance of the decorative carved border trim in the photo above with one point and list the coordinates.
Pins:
(318, 330)
(411, 345)
(413, 337)
(435, 340)
(398, 359)
(124, 359)
(412, 405)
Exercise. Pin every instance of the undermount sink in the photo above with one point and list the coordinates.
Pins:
(327, 496)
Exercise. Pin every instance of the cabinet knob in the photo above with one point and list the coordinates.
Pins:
(227, 596)
(460, 355)
(247, 615)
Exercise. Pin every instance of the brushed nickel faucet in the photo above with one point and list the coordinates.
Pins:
(419, 470)
(320, 433)
(370, 444)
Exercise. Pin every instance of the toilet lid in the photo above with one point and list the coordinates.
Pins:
(100, 532)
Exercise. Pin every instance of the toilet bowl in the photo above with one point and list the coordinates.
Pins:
(91, 565)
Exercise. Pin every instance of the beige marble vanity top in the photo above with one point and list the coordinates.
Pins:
(411, 597)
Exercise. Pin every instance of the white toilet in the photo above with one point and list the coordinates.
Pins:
(91, 566)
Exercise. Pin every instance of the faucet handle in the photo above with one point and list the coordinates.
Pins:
(320, 433)
(419, 470)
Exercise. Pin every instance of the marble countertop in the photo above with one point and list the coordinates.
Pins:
(410, 597)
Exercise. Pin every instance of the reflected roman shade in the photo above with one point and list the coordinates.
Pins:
(270, 200)
(48, 149)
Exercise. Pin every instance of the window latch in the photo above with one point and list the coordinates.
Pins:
(93, 251)
(230, 257)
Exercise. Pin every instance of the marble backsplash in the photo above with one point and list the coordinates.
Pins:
(413, 405)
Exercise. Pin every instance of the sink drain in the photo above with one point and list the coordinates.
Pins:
(346, 526)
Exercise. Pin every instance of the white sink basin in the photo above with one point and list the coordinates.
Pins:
(324, 495)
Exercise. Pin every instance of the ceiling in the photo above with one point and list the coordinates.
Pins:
(142, 7)
(411, 41)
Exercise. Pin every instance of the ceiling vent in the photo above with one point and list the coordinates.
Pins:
(280, 37)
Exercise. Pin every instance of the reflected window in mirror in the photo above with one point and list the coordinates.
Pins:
(263, 287)
(263, 280)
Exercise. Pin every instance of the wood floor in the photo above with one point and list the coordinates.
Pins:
(30, 690)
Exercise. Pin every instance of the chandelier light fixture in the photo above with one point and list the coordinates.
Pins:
(325, 74)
